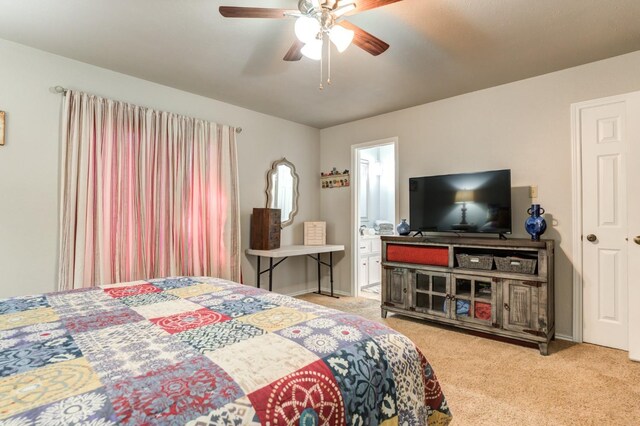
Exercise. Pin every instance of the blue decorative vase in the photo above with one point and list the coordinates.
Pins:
(535, 223)
(403, 228)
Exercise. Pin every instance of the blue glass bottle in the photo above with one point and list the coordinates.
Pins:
(535, 223)
(403, 228)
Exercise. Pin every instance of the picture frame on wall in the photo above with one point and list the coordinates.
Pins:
(2, 121)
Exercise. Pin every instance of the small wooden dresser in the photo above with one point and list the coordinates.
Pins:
(265, 229)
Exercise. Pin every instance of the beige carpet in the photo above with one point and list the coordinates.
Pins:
(489, 382)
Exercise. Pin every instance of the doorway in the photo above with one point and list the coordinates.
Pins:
(374, 202)
(606, 142)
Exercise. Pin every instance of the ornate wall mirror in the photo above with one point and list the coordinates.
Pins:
(282, 189)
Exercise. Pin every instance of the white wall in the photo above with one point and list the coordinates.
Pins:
(523, 126)
(29, 162)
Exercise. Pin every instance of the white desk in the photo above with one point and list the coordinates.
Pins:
(287, 251)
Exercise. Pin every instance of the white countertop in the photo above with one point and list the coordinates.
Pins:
(369, 237)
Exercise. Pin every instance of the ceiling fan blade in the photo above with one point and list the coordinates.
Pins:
(295, 52)
(254, 12)
(362, 5)
(364, 40)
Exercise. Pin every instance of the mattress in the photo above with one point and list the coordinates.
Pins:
(205, 351)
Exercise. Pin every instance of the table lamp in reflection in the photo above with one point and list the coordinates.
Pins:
(464, 196)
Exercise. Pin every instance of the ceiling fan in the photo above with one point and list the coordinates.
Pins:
(317, 19)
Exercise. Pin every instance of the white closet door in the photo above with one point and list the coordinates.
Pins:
(609, 142)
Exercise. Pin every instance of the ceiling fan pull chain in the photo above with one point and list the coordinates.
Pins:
(321, 86)
(329, 63)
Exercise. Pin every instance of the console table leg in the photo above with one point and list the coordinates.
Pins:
(544, 348)
(270, 273)
(384, 312)
(258, 273)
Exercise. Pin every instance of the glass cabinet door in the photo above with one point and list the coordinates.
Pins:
(474, 299)
(430, 293)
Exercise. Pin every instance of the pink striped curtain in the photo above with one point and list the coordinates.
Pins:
(145, 194)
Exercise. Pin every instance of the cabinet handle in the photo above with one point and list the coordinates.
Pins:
(447, 297)
(506, 306)
(404, 290)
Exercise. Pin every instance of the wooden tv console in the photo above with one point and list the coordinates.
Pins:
(437, 279)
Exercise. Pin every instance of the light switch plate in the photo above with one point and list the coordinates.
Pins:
(533, 191)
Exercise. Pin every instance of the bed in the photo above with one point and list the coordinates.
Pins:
(205, 351)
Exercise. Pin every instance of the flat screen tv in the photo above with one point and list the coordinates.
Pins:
(465, 202)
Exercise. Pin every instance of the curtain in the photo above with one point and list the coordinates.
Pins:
(145, 194)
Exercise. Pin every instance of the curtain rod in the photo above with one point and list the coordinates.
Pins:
(63, 90)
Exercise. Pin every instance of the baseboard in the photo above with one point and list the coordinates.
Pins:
(338, 292)
(299, 293)
(564, 337)
(324, 290)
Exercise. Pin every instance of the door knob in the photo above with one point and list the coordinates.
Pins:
(592, 238)
(637, 240)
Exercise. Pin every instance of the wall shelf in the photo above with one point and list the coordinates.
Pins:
(341, 180)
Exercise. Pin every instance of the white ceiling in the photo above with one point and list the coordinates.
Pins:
(439, 48)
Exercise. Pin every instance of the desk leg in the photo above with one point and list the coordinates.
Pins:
(319, 275)
(258, 273)
(330, 265)
(331, 271)
(270, 273)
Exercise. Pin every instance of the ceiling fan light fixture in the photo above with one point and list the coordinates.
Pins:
(315, 19)
(313, 50)
(307, 29)
(341, 37)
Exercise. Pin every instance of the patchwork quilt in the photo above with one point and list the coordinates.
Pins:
(205, 351)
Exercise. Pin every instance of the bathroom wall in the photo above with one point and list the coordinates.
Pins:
(381, 184)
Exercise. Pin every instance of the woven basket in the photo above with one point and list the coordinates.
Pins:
(475, 261)
(516, 264)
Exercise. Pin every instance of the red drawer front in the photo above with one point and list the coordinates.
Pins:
(435, 256)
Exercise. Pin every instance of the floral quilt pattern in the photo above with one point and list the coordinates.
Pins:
(204, 351)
